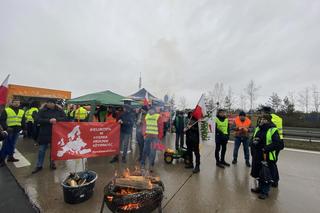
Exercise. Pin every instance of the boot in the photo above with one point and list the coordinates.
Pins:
(234, 161)
(36, 170)
(220, 165)
(53, 166)
(225, 163)
(114, 160)
(188, 166)
(196, 169)
(124, 160)
(262, 196)
(248, 164)
(12, 159)
(2, 162)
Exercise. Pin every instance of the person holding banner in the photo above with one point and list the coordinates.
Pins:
(222, 137)
(126, 120)
(153, 132)
(47, 116)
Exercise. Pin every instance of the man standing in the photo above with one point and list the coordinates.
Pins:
(153, 132)
(13, 121)
(277, 121)
(47, 116)
(222, 137)
(266, 140)
(126, 121)
(179, 123)
(30, 115)
(242, 128)
(81, 114)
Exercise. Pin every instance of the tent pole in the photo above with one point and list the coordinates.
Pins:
(93, 109)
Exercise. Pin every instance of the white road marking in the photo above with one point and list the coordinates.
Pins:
(23, 162)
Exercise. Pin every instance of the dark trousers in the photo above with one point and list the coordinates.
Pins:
(220, 145)
(264, 187)
(8, 145)
(193, 146)
(140, 140)
(179, 137)
(237, 143)
(30, 130)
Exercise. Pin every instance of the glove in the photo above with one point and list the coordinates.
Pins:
(256, 141)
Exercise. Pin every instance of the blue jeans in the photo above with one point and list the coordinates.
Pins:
(42, 153)
(237, 143)
(9, 145)
(149, 151)
(124, 139)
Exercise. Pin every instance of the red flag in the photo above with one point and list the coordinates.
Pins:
(146, 100)
(4, 91)
(200, 111)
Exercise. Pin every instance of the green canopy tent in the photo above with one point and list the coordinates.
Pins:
(107, 98)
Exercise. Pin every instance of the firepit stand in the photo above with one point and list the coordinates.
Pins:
(133, 193)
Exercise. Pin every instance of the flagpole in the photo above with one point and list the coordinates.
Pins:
(194, 109)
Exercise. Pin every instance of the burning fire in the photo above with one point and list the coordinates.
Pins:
(130, 206)
(126, 191)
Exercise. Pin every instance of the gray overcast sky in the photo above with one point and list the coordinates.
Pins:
(180, 46)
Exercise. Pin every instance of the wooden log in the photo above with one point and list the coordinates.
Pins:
(136, 182)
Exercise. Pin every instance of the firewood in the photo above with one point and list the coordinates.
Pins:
(136, 182)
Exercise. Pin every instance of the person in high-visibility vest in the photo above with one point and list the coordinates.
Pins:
(266, 140)
(153, 132)
(277, 121)
(242, 127)
(222, 137)
(30, 116)
(81, 114)
(12, 121)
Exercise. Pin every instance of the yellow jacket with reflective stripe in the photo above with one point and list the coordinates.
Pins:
(152, 124)
(14, 119)
(271, 131)
(80, 114)
(29, 113)
(222, 126)
(277, 120)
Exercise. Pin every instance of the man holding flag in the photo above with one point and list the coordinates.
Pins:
(192, 134)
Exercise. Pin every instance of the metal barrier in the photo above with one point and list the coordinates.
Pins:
(302, 134)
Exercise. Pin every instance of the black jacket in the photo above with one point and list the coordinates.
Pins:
(128, 121)
(43, 120)
(219, 135)
(192, 134)
(3, 121)
(258, 149)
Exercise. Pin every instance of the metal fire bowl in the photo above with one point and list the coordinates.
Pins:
(148, 200)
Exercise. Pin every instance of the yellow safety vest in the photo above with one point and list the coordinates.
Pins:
(271, 131)
(222, 126)
(29, 113)
(152, 124)
(277, 121)
(81, 113)
(14, 119)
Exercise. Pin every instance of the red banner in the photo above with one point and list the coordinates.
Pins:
(74, 140)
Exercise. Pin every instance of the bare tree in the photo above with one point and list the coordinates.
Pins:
(251, 91)
(275, 102)
(243, 102)
(315, 97)
(217, 94)
(304, 99)
(172, 102)
(182, 103)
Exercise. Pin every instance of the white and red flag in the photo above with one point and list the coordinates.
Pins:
(4, 91)
(200, 111)
(146, 101)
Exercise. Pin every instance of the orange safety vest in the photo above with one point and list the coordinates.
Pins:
(110, 119)
(240, 124)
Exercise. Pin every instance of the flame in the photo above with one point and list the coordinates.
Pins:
(126, 173)
(130, 206)
(110, 198)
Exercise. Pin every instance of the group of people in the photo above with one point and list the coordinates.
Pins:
(265, 143)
